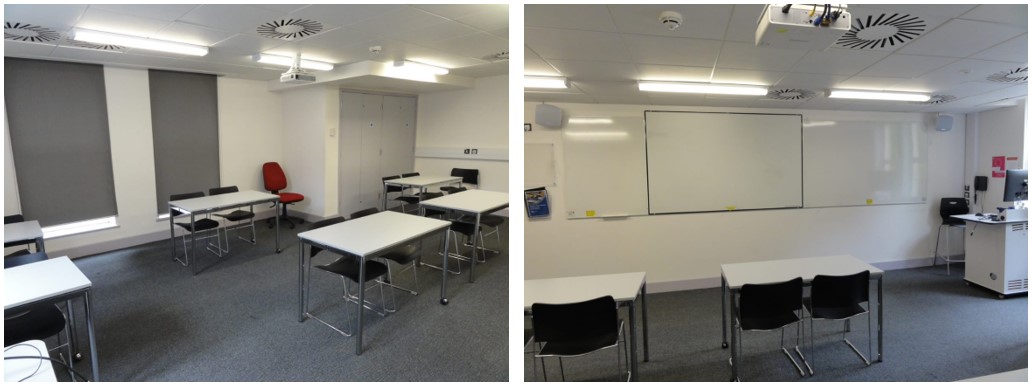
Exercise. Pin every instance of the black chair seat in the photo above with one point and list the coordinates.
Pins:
(237, 215)
(37, 323)
(402, 255)
(580, 347)
(200, 225)
(20, 252)
(464, 228)
(769, 322)
(836, 312)
(348, 267)
(449, 189)
(491, 220)
(16, 259)
(953, 222)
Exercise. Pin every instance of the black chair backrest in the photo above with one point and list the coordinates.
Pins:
(319, 224)
(364, 212)
(13, 219)
(413, 174)
(461, 189)
(952, 206)
(392, 188)
(183, 196)
(223, 190)
(760, 300)
(431, 195)
(469, 176)
(24, 259)
(574, 321)
(840, 291)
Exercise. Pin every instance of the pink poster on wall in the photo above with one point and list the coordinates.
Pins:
(999, 165)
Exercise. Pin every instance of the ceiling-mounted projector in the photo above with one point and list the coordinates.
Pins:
(799, 26)
(296, 74)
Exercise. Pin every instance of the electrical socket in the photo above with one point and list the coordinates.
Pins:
(474, 152)
(466, 151)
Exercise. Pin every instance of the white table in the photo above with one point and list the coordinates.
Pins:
(366, 237)
(473, 202)
(625, 288)
(209, 204)
(733, 276)
(48, 282)
(996, 254)
(28, 370)
(421, 182)
(24, 231)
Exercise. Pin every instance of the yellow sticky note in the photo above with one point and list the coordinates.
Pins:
(870, 201)
(730, 207)
(589, 213)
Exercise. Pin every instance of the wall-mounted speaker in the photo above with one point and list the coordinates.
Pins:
(944, 123)
(548, 116)
(981, 183)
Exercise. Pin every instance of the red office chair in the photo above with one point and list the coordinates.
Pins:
(275, 181)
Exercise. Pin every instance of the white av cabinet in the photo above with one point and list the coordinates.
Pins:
(996, 254)
(377, 139)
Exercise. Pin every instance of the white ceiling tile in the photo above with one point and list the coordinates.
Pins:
(552, 43)
(557, 98)
(701, 21)
(743, 23)
(672, 51)
(906, 66)
(483, 70)
(21, 49)
(397, 22)
(1014, 50)
(926, 10)
(675, 99)
(961, 71)
(968, 89)
(764, 78)
(245, 44)
(592, 70)
(810, 81)
(107, 21)
(456, 11)
(53, 16)
(538, 67)
(674, 73)
(747, 56)
(192, 34)
(338, 38)
(961, 38)
(166, 12)
(597, 88)
(491, 20)
(434, 34)
(837, 61)
(343, 14)
(870, 83)
(1016, 14)
(476, 45)
(282, 8)
(503, 32)
(585, 17)
(232, 18)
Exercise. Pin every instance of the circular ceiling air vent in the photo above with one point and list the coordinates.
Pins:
(790, 94)
(881, 31)
(938, 99)
(29, 33)
(290, 29)
(1010, 76)
(496, 57)
(92, 46)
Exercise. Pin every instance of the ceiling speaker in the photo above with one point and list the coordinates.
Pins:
(944, 123)
(548, 116)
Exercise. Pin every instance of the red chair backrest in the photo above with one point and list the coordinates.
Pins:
(274, 178)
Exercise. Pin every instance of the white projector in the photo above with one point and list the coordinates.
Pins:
(796, 29)
(296, 77)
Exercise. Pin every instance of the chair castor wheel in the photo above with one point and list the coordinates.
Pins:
(444, 301)
(723, 345)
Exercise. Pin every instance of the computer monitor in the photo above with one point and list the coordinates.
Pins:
(1015, 188)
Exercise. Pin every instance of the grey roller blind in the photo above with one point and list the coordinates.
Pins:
(185, 120)
(57, 115)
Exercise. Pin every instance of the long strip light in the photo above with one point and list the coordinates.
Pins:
(98, 37)
(702, 88)
(545, 82)
(288, 61)
(879, 95)
(420, 67)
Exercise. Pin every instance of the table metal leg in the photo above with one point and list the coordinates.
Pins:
(193, 243)
(361, 302)
(634, 342)
(723, 310)
(73, 339)
(172, 231)
(278, 250)
(473, 260)
(644, 322)
(300, 280)
(734, 338)
(93, 338)
(880, 298)
(444, 267)
(39, 245)
(385, 196)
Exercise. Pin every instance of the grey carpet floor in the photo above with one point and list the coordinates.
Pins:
(237, 319)
(936, 329)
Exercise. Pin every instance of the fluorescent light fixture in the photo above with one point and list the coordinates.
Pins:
(702, 88)
(420, 67)
(545, 82)
(597, 135)
(79, 227)
(289, 61)
(878, 95)
(138, 42)
(592, 121)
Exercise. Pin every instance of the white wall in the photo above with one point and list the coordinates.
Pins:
(999, 132)
(684, 251)
(245, 110)
(309, 153)
(473, 118)
(12, 204)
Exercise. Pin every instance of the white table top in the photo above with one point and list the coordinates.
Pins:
(421, 181)
(1009, 376)
(623, 287)
(368, 235)
(774, 271)
(33, 282)
(973, 218)
(15, 370)
(25, 230)
(219, 201)
(473, 201)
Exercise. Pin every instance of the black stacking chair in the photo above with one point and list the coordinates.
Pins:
(766, 307)
(949, 207)
(469, 177)
(237, 216)
(413, 198)
(841, 298)
(199, 225)
(38, 322)
(575, 329)
(492, 221)
(408, 254)
(16, 218)
(348, 268)
(388, 189)
(430, 212)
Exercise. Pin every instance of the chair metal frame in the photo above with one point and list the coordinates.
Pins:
(186, 251)
(863, 280)
(237, 226)
(621, 335)
(746, 292)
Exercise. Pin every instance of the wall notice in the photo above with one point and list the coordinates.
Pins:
(999, 166)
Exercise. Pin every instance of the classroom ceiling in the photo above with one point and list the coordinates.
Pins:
(466, 38)
(969, 57)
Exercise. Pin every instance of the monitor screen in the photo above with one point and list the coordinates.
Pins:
(1016, 186)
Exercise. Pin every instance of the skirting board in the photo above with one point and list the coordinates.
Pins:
(714, 282)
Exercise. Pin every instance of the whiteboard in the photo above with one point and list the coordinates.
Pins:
(704, 162)
(852, 162)
(538, 165)
(605, 167)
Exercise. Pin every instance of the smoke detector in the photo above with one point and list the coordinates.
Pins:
(375, 50)
(670, 19)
